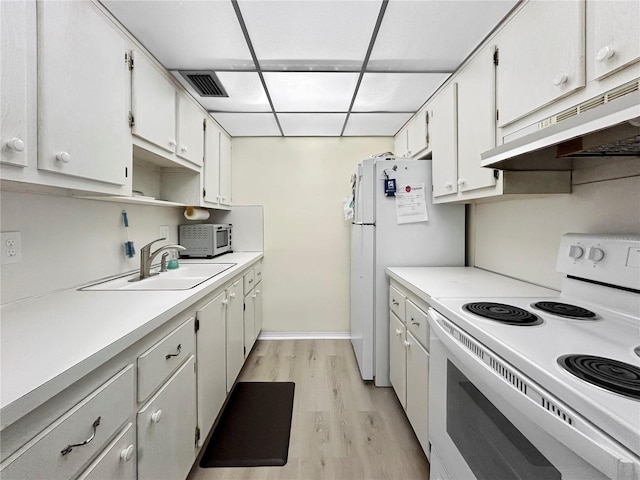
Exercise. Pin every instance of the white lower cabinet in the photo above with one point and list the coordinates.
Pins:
(117, 460)
(211, 363)
(409, 360)
(397, 358)
(249, 322)
(417, 396)
(166, 428)
(235, 332)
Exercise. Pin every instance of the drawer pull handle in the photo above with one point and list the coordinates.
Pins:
(394, 302)
(68, 448)
(413, 322)
(169, 355)
(250, 280)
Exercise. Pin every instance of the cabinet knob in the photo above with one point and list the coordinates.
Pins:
(461, 182)
(254, 295)
(16, 144)
(184, 149)
(448, 185)
(172, 143)
(156, 416)
(232, 295)
(406, 344)
(63, 157)
(398, 332)
(225, 301)
(257, 292)
(605, 53)
(559, 79)
(127, 453)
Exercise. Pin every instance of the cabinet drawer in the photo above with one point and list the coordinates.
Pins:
(249, 281)
(112, 404)
(117, 460)
(396, 302)
(417, 323)
(258, 272)
(156, 364)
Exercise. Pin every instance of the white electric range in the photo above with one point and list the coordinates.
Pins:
(503, 403)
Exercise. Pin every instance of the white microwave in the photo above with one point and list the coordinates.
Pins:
(204, 240)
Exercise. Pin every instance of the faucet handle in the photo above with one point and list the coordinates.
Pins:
(163, 262)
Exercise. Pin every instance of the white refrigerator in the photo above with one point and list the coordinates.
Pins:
(378, 241)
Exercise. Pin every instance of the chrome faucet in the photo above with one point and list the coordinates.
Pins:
(146, 257)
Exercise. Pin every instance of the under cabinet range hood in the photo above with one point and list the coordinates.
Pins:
(605, 126)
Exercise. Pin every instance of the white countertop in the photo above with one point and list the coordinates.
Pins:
(49, 342)
(449, 282)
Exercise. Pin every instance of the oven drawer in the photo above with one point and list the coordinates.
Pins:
(160, 361)
(396, 302)
(417, 323)
(95, 420)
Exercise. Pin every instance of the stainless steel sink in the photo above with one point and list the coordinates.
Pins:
(189, 275)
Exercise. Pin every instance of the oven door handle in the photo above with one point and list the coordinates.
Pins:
(588, 442)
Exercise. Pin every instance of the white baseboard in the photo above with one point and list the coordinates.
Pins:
(304, 336)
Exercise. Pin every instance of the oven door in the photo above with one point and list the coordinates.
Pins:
(490, 422)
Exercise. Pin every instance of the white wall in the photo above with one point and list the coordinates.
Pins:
(301, 183)
(68, 241)
(520, 237)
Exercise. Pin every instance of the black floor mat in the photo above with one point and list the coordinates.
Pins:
(254, 427)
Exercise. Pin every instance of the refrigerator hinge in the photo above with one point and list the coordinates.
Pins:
(197, 435)
(197, 325)
(132, 120)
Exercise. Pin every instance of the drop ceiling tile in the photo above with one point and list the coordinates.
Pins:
(186, 34)
(396, 92)
(435, 35)
(248, 124)
(312, 124)
(311, 92)
(244, 89)
(375, 124)
(310, 34)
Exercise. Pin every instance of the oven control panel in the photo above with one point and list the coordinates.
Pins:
(610, 259)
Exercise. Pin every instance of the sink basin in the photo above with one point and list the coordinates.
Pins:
(187, 276)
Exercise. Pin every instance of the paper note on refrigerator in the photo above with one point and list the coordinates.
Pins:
(411, 204)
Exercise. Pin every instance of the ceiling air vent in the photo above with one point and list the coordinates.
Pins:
(205, 82)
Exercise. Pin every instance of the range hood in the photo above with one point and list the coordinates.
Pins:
(606, 126)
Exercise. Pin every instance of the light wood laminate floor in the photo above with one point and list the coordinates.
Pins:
(342, 428)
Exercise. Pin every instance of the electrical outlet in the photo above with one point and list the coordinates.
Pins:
(164, 231)
(11, 247)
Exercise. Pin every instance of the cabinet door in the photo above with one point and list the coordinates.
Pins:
(190, 130)
(400, 143)
(258, 312)
(249, 322)
(166, 428)
(211, 180)
(444, 140)
(417, 133)
(17, 77)
(418, 390)
(82, 93)
(235, 332)
(397, 358)
(613, 29)
(212, 372)
(117, 460)
(541, 57)
(225, 170)
(153, 103)
(476, 120)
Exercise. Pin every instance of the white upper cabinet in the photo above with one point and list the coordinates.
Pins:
(400, 143)
(225, 170)
(17, 77)
(417, 133)
(190, 130)
(476, 120)
(613, 36)
(83, 93)
(444, 141)
(541, 57)
(153, 104)
(211, 175)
